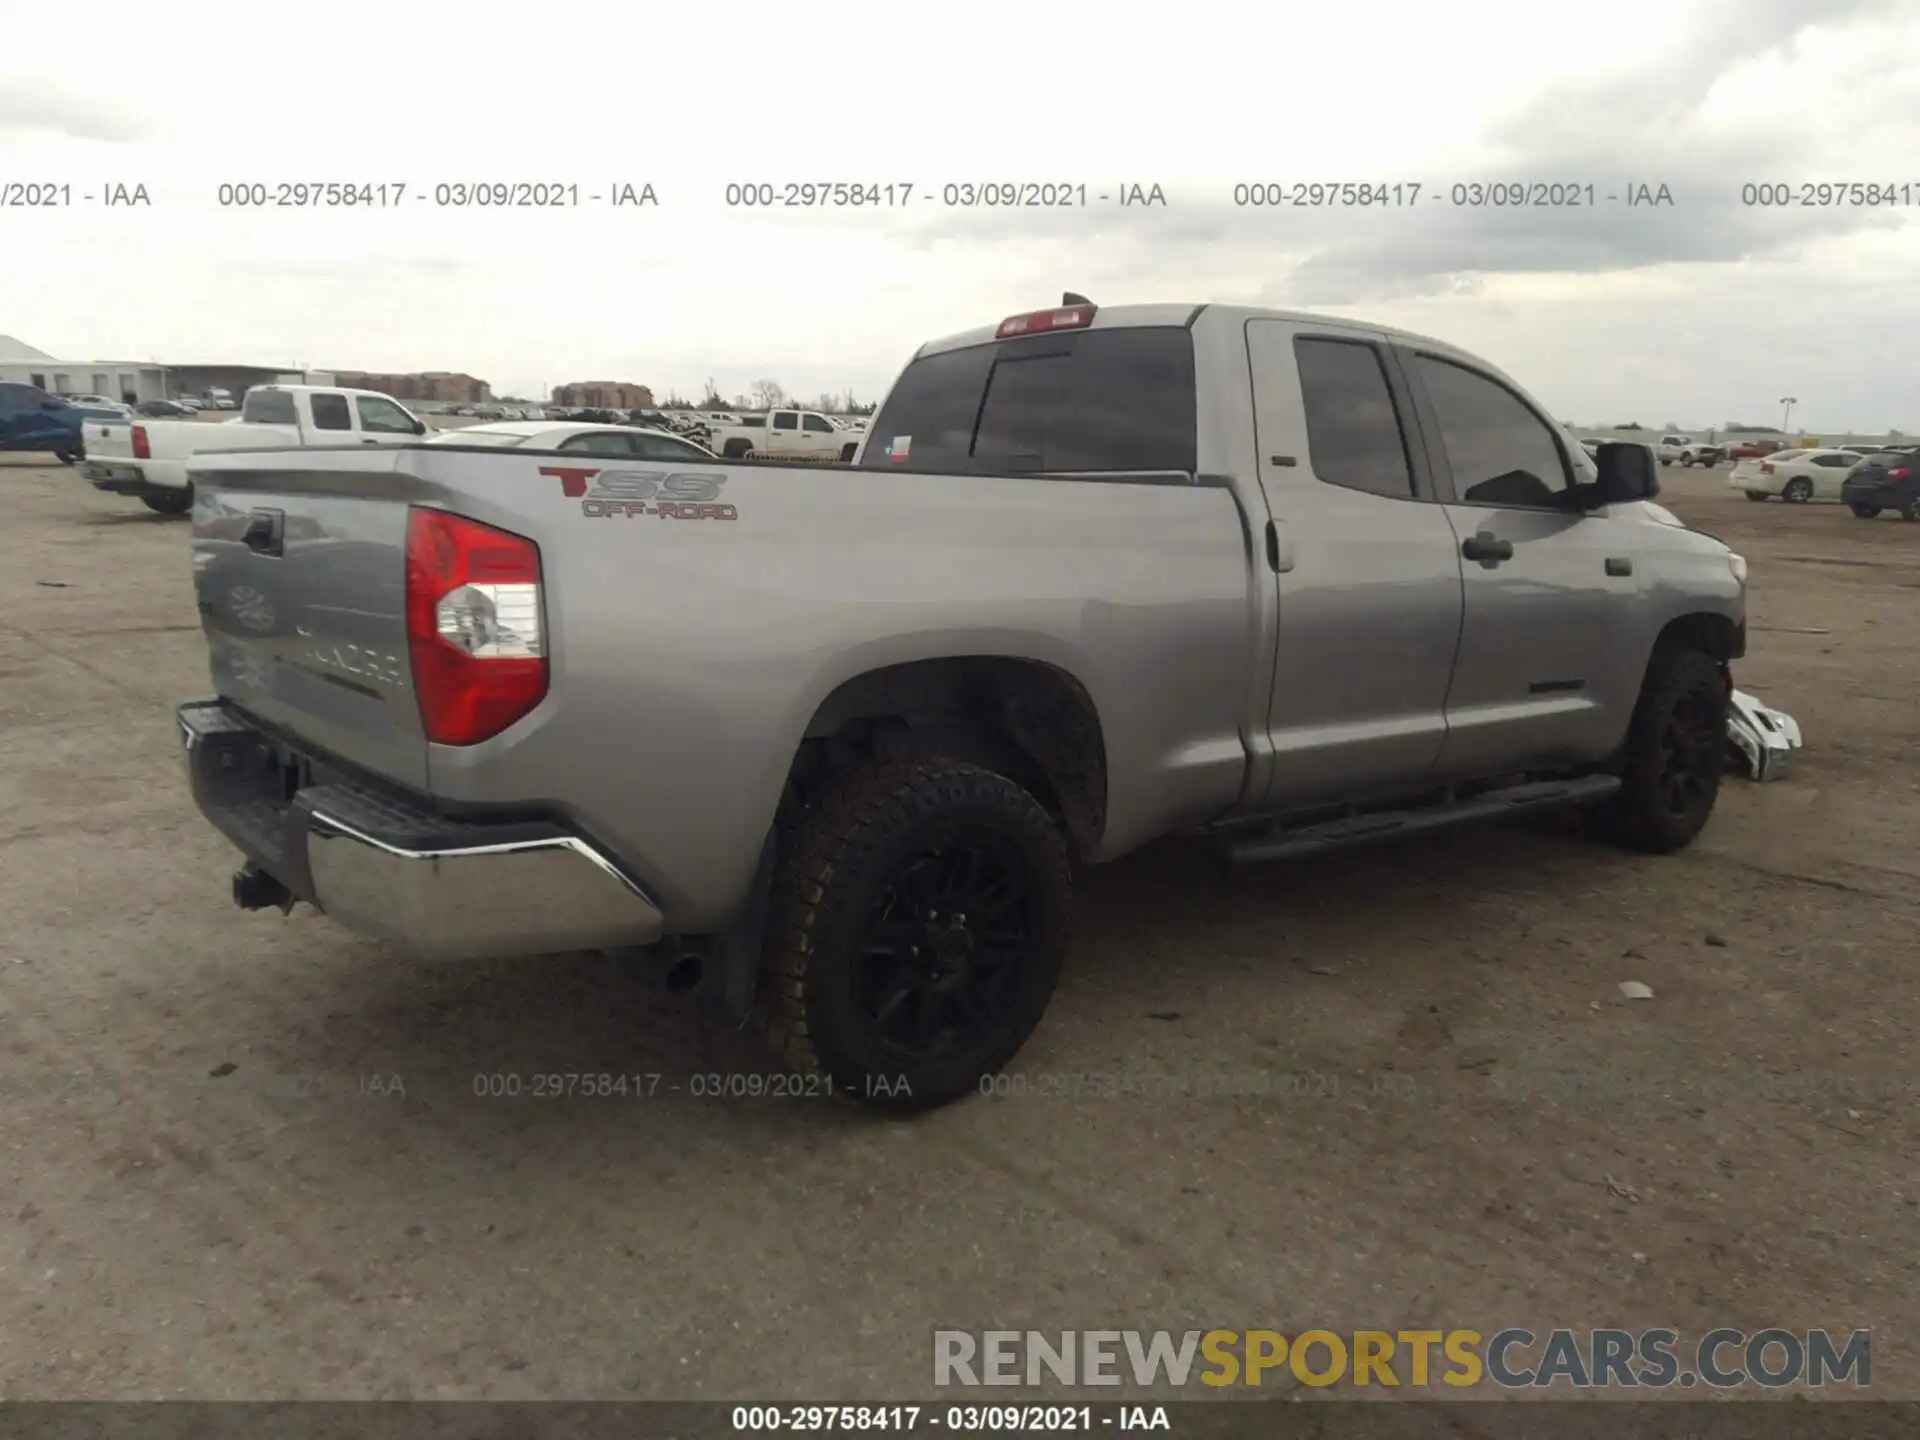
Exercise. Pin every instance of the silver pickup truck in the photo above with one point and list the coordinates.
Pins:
(830, 744)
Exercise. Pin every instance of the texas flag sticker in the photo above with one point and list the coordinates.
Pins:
(897, 452)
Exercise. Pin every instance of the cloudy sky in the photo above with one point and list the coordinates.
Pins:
(1697, 312)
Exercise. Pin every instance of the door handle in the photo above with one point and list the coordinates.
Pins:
(1487, 548)
(368, 440)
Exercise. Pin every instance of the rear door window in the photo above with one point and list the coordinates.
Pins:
(598, 442)
(330, 413)
(1354, 434)
(1087, 402)
(661, 447)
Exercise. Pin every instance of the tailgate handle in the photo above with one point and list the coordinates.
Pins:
(266, 533)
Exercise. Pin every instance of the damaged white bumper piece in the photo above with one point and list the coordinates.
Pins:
(1765, 740)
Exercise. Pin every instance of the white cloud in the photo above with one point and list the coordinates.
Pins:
(1692, 314)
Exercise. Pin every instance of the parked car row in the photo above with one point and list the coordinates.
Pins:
(1866, 479)
(151, 460)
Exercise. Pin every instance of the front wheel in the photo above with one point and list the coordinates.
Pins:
(169, 502)
(66, 457)
(1686, 461)
(1675, 753)
(1865, 512)
(918, 926)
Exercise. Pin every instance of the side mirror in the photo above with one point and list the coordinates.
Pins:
(1628, 471)
(419, 427)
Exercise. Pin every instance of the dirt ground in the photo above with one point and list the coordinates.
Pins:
(244, 1157)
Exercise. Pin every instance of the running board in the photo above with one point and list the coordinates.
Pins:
(1281, 843)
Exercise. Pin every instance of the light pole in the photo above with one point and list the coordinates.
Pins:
(1787, 402)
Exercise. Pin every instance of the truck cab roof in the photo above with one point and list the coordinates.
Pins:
(1189, 315)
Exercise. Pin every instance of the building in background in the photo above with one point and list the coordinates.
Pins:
(440, 386)
(194, 381)
(604, 395)
(129, 381)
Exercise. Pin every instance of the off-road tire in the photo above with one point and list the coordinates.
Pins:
(170, 502)
(838, 862)
(1637, 816)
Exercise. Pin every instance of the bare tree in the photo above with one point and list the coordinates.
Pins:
(767, 394)
(713, 399)
(828, 403)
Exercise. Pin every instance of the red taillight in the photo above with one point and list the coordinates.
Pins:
(476, 626)
(141, 449)
(1039, 322)
(1766, 468)
(1898, 473)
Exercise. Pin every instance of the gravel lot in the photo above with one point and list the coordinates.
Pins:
(244, 1157)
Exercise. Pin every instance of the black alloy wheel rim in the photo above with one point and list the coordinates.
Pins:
(1690, 752)
(947, 943)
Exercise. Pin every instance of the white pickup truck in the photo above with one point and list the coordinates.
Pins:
(149, 460)
(784, 435)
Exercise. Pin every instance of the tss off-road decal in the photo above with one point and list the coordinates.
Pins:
(629, 494)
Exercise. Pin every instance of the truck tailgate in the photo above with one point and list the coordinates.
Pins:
(301, 580)
(105, 441)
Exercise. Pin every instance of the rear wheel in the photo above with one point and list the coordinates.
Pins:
(169, 502)
(1797, 492)
(1756, 494)
(1911, 512)
(918, 927)
(1675, 753)
(1864, 512)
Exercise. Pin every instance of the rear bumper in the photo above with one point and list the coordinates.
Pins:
(393, 870)
(119, 478)
(1895, 495)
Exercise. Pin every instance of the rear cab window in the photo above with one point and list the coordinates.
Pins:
(1072, 402)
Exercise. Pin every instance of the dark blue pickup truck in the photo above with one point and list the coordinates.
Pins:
(31, 419)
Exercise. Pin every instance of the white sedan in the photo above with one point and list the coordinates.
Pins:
(620, 442)
(1796, 476)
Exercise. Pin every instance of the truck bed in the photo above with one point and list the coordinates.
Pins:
(691, 640)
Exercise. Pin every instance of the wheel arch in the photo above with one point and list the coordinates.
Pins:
(1708, 631)
(1031, 720)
